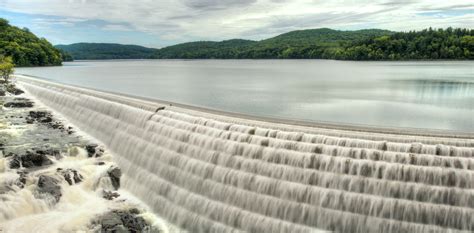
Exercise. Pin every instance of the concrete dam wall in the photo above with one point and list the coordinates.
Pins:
(210, 172)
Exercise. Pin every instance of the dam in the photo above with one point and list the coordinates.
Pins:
(207, 171)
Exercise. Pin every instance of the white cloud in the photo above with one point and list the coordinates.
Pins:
(184, 20)
(116, 27)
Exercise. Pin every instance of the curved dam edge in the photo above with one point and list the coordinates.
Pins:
(207, 172)
(328, 128)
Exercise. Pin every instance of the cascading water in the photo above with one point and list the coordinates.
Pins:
(210, 173)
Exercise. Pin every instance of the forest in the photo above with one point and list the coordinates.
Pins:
(97, 51)
(311, 43)
(25, 48)
(371, 44)
(427, 44)
(323, 43)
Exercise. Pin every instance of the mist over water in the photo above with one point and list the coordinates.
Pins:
(433, 95)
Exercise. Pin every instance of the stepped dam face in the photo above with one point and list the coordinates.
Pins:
(206, 172)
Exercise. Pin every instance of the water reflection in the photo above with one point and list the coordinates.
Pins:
(436, 95)
(459, 94)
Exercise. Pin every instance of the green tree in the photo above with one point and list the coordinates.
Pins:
(6, 67)
(25, 48)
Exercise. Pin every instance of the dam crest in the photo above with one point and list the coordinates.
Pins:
(210, 172)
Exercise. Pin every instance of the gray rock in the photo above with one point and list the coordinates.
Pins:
(70, 175)
(19, 103)
(91, 149)
(110, 195)
(29, 160)
(122, 221)
(132, 221)
(111, 223)
(49, 185)
(24, 104)
(115, 173)
(13, 90)
(22, 179)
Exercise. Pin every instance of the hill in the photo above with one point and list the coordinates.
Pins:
(93, 51)
(296, 44)
(428, 44)
(282, 46)
(25, 48)
(323, 43)
(205, 49)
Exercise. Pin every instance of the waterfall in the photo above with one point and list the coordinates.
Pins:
(207, 172)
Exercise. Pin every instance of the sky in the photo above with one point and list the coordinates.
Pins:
(159, 23)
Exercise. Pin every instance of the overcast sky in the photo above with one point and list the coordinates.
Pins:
(157, 23)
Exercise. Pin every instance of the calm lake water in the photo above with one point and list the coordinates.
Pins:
(433, 95)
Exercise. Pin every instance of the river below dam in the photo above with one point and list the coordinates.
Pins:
(428, 94)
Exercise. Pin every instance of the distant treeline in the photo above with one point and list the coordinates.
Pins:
(372, 44)
(341, 45)
(427, 44)
(98, 51)
(313, 43)
(25, 48)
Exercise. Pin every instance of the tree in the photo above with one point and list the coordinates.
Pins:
(6, 67)
(26, 49)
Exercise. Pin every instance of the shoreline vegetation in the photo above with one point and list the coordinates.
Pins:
(25, 49)
(324, 43)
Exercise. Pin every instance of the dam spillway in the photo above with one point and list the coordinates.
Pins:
(207, 172)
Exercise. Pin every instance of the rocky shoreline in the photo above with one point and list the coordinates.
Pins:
(50, 171)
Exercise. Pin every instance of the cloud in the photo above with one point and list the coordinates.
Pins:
(175, 21)
(217, 4)
(468, 6)
(116, 27)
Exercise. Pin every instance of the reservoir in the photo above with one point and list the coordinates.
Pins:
(435, 95)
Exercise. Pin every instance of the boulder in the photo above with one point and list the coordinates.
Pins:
(69, 130)
(49, 185)
(91, 149)
(122, 221)
(132, 221)
(115, 173)
(29, 160)
(112, 223)
(110, 195)
(41, 117)
(48, 151)
(19, 104)
(70, 175)
(22, 179)
(13, 90)
(56, 125)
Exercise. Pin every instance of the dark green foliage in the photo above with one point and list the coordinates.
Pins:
(6, 67)
(371, 44)
(25, 48)
(66, 56)
(94, 51)
(427, 44)
(206, 49)
(297, 44)
(313, 43)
